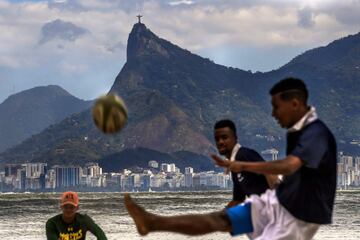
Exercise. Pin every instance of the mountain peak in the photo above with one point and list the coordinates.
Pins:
(139, 27)
(342, 51)
(142, 42)
(30, 111)
(42, 91)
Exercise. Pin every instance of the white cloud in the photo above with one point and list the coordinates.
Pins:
(186, 2)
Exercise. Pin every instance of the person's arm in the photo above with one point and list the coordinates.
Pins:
(233, 203)
(51, 233)
(286, 166)
(253, 156)
(95, 229)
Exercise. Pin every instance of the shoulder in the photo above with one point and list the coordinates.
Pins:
(245, 153)
(54, 219)
(318, 128)
(57, 217)
(83, 217)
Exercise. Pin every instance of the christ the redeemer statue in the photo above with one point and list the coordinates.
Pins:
(139, 17)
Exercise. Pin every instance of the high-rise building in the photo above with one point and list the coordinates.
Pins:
(11, 169)
(189, 170)
(340, 168)
(122, 179)
(34, 170)
(357, 167)
(134, 181)
(42, 181)
(145, 181)
(21, 176)
(165, 167)
(92, 170)
(153, 164)
(205, 179)
(172, 167)
(50, 179)
(348, 160)
(114, 179)
(189, 179)
(157, 180)
(67, 176)
(196, 180)
(221, 180)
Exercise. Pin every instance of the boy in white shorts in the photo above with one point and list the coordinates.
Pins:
(302, 202)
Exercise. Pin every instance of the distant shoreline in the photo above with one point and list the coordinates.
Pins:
(223, 190)
(348, 190)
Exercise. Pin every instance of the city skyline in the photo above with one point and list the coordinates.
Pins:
(36, 177)
(157, 175)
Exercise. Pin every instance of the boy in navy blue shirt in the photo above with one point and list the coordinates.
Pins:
(303, 200)
(244, 183)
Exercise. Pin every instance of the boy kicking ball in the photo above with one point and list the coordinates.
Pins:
(301, 203)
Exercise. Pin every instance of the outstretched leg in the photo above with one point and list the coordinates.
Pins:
(192, 224)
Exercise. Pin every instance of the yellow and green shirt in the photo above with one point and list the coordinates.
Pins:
(57, 229)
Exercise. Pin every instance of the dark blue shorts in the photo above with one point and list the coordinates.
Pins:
(240, 218)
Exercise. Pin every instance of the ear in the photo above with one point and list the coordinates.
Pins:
(295, 103)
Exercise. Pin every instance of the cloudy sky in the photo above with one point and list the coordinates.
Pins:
(80, 45)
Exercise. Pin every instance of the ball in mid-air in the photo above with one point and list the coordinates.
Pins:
(109, 113)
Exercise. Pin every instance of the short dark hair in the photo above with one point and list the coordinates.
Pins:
(290, 88)
(226, 123)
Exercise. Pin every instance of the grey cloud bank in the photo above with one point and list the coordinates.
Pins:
(81, 44)
(59, 29)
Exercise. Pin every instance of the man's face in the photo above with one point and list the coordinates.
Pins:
(225, 140)
(69, 211)
(284, 112)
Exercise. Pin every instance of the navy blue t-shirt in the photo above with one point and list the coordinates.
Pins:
(309, 193)
(247, 183)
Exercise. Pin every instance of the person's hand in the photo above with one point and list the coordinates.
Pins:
(220, 162)
(233, 166)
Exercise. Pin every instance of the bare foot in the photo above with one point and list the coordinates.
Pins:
(139, 215)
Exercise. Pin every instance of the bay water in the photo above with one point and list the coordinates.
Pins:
(23, 215)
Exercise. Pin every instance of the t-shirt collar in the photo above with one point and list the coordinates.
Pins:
(233, 155)
(308, 118)
(234, 151)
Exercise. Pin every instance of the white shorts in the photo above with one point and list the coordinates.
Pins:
(272, 221)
